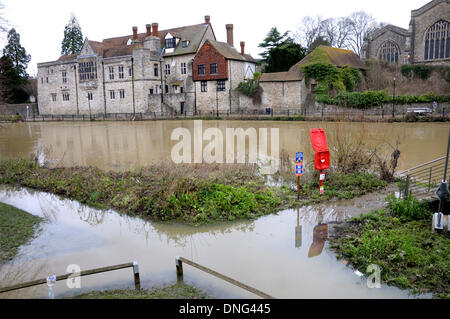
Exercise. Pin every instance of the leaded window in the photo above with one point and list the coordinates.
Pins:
(213, 68)
(221, 85)
(87, 71)
(201, 69)
(389, 52)
(437, 41)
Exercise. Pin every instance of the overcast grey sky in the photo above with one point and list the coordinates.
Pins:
(41, 22)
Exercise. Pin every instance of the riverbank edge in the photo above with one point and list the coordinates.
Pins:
(164, 194)
(17, 228)
(372, 239)
(297, 118)
(179, 290)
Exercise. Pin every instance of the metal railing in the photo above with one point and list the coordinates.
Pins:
(134, 265)
(179, 265)
(423, 180)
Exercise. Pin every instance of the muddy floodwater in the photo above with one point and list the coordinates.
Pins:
(284, 255)
(127, 145)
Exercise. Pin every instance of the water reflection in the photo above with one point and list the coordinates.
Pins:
(248, 251)
(127, 145)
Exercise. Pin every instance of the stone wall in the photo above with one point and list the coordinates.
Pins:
(12, 109)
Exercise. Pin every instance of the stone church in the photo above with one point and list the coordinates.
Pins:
(427, 40)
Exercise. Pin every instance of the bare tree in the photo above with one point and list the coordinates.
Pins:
(309, 31)
(337, 31)
(361, 24)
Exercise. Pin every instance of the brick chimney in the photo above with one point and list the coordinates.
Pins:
(230, 34)
(135, 33)
(155, 29)
(149, 29)
(242, 48)
(207, 19)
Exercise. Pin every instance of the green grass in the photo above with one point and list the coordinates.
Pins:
(16, 228)
(176, 291)
(410, 255)
(10, 118)
(189, 193)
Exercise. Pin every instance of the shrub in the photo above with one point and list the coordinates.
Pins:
(248, 88)
(422, 72)
(409, 208)
(406, 70)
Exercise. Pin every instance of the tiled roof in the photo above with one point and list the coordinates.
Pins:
(294, 74)
(227, 51)
(117, 46)
(249, 58)
(67, 57)
(338, 57)
(193, 33)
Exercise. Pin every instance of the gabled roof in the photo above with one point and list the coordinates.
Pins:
(117, 46)
(193, 33)
(426, 7)
(338, 57)
(324, 54)
(389, 27)
(227, 51)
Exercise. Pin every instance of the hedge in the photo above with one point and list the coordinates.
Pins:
(370, 99)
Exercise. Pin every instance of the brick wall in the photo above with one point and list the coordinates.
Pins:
(207, 55)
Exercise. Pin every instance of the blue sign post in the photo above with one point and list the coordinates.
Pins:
(298, 170)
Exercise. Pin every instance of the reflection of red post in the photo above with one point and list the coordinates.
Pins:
(320, 183)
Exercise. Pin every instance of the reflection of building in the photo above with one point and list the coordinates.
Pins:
(426, 41)
(142, 72)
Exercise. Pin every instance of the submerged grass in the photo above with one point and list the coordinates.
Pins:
(196, 193)
(176, 291)
(410, 255)
(16, 228)
(191, 193)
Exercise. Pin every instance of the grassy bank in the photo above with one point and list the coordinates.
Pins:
(16, 228)
(399, 240)
(10, 118)
(176, 291)
(189, 193)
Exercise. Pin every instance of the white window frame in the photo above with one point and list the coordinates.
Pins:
(121, 75)
(111, 73)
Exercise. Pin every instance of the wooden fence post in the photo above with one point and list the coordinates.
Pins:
(137, 280)
(179, 265)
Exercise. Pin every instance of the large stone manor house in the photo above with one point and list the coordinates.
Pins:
(427, 40)
(182, 69)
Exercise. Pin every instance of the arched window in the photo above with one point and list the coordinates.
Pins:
(389, 51)
(437, 41)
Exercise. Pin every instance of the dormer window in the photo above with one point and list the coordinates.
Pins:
(185, 43)
(170, 43)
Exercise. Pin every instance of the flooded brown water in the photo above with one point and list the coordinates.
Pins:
(285, 255)
(127, 145)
